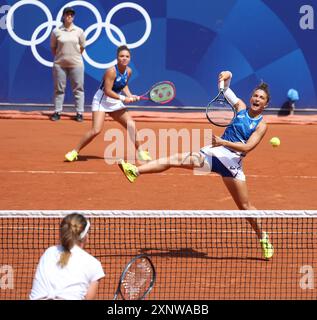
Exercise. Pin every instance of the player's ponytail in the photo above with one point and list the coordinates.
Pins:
(73, 229)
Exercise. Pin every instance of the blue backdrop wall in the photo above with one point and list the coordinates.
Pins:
(185, 41)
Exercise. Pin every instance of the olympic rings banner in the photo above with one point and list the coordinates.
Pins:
(187, 42)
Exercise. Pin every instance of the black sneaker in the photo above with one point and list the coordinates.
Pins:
(79, 117)
(55, 116)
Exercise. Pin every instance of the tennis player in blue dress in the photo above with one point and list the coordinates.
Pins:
(108, 99)
(224, 156)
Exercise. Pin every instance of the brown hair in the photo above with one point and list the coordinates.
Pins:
(265, 87)
(70, 229)
(122, 48)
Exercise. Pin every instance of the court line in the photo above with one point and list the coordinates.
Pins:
(161, 174)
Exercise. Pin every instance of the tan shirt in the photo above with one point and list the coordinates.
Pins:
(68, 44)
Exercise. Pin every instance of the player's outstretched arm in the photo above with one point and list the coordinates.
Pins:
(236, 102)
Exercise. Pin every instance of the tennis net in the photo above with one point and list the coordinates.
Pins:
(198, 255)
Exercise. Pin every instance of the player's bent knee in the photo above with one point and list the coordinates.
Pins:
(192, 159)
(197, 159)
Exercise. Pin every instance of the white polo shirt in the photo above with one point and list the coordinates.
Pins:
(68, 283)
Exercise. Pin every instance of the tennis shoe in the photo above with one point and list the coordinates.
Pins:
(129, 170)
(71, 156)
(79, 117)
(267, 247)
(55, 116)
(144, 155)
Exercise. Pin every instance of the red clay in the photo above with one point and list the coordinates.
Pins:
(34, 175)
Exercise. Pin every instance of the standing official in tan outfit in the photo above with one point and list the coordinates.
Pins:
(67, 45)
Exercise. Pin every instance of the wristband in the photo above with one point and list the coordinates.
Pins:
(121, 97)
(231, 96)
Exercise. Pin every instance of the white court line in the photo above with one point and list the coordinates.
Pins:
(57, 172)
(161, 174)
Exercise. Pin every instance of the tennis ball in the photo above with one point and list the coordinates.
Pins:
(275, 142)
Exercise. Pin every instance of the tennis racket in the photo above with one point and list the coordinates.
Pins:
(161, 92)
(137, 279)
(219, 111)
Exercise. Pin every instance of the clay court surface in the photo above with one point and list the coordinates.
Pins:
(34, 174)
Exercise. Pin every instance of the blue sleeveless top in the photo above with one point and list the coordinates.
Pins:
(119, 82)
(242, 127)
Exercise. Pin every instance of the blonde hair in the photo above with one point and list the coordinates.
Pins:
(70, 234)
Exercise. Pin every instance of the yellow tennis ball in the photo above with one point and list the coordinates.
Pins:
(275, 142)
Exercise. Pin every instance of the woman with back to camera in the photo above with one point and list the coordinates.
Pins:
(67, 271)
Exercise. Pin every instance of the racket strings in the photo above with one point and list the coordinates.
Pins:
(220, 112)
(162, 92)
(137, 280)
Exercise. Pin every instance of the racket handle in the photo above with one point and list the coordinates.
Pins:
(221, 85)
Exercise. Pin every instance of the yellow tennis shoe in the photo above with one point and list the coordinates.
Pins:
(71, 156)
(129, 170)
(267, 247)
(144, 155)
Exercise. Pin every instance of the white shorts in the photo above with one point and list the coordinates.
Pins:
(224, 162)
(101, 102)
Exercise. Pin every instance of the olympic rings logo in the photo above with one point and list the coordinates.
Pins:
(107, 25)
